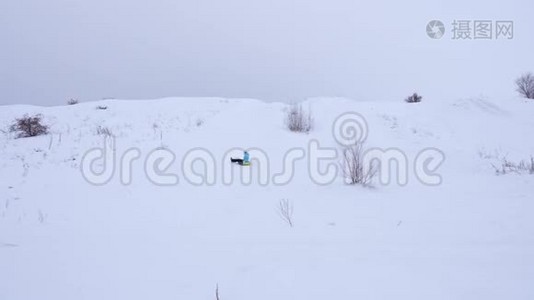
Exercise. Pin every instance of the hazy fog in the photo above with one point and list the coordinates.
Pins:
(276, 50)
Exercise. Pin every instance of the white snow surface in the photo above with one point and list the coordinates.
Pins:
(471, 237)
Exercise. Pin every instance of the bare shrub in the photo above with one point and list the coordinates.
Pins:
(73, 101)
(415, 98)
(105, 131)
(101, 107)
(29, 126)
(199, 122)
(353, 165)
(523, 166)
(298, 120)
(285, 211)
(217, 293)
(525, 85)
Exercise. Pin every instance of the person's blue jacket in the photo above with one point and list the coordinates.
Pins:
(246, 157)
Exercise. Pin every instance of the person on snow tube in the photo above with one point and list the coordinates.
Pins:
(244, 161)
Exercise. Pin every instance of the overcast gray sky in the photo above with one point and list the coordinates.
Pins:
(274, 50)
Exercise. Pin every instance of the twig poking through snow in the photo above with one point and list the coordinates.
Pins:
(285, 211)
(41, 216)
(51, 141)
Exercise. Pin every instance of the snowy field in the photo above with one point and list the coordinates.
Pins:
(468, 236)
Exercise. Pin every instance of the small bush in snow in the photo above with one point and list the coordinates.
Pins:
(415, 98)
(104, 131)
(298, 120)
(353, 166)
(525, 85)
(524, 166)
(101, 107)
(199, 122)
(29, 126)
(73, 101)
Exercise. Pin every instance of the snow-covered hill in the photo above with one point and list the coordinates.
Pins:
(469, 237)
